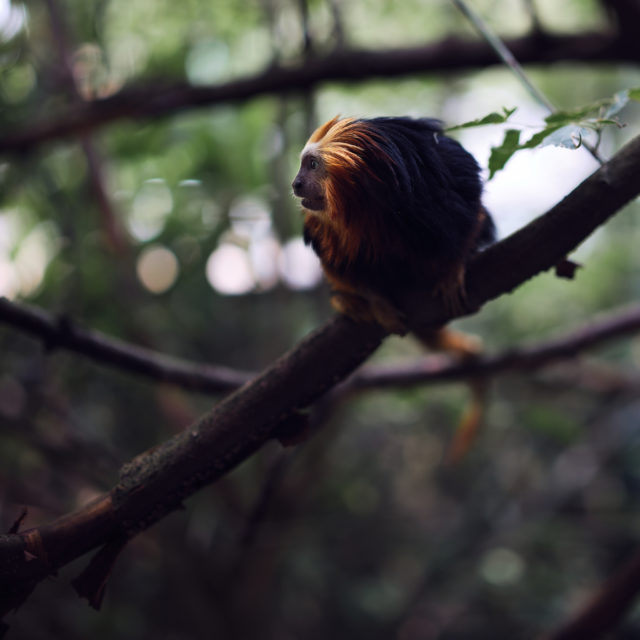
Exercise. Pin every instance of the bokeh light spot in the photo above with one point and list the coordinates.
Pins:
(12, 19)
(34, 255)
(207, 62)
(502, 566)
(151, 206)
(263, 255)
(9, 281)
(157, 268)
(299, 266)
(250, 217)
(229, 270)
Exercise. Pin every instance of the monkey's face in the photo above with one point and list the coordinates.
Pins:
(309, 183)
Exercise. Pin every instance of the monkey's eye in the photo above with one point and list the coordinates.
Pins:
(313, 164)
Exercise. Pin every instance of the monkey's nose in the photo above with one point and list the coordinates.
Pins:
(297, 185)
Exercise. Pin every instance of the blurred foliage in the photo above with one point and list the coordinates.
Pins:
(363, 531)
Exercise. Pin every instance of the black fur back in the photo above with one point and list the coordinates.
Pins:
(430, 190)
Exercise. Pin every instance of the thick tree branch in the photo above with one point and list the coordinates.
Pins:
(343, 65)
(157, 481)
(221, 439)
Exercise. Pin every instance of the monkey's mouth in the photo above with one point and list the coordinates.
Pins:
(313, 204)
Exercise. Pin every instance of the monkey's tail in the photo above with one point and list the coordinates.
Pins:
(464, 346)
(470, 422)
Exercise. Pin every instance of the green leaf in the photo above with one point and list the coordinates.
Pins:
(562, 118)
(607, 106)
(569, 137)
(491, 118)
(511, 143)
(500, 155)
(538, 138)
(601, 121)
(618, 101)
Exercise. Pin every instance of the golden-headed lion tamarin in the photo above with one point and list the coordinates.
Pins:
(390, 205)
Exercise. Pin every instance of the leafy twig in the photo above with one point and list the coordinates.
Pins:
(563, 128)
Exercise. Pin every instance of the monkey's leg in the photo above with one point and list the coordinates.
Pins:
(362, 304)
(352, 305)
(374, 309)
(388, 315)
(452, 291)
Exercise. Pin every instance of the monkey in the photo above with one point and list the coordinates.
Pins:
(391, 205)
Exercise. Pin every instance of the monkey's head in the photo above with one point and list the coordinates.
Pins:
(336, 167)
(309, 183)
(369, 182)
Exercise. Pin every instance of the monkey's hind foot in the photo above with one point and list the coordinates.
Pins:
(466, 345)
(463, 345)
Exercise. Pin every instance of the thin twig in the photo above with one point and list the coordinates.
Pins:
(434, 369)
(503, 52)
(112, 229)
(64, 333)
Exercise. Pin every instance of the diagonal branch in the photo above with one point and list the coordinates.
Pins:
(156, 482)
(343, 65)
